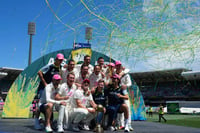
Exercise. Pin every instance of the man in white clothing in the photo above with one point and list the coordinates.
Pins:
(103, 67)
(95, 76)
(69, 69)
(125, 81)
(84, 74)
(65, 93)
(86, 62)
(47, 100)
(83, 107)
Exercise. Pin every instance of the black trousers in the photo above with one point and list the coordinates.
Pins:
(161, 117)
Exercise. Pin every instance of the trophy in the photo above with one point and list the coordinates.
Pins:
(98, 127)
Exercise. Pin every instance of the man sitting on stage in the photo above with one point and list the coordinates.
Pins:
(84, 107)
(47, 101)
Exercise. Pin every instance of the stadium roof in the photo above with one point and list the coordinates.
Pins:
(9, 73)
(191, 75)
(159, 75)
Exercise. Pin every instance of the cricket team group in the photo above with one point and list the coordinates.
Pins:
(84, 95)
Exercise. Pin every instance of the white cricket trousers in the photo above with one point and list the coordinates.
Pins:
(63, 117)
(80, 114)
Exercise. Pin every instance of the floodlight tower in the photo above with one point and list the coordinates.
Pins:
(31, 31)
(88, 34)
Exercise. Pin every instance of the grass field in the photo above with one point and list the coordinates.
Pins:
(173, 119)
(178, 119)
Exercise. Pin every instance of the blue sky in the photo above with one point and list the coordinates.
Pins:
(15, 16)
(144, 35)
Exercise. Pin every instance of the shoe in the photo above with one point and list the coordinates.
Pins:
(121, 128)
(111, 128)
(126, 129)
(130, 128)
(60, 129)
(48, 129)
(37, 125)
(75, 128)
(86, 127)
(66, 126)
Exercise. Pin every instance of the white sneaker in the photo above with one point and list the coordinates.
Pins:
(66, 126)
(37, 125)
(48, 129)
(130, 128)
(86, 127)
(75, 128)
(111, 128)
(60, 129)
(126, 129)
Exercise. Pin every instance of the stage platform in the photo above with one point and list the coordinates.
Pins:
(26, 126)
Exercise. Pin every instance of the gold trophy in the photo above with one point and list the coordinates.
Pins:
(98, 127)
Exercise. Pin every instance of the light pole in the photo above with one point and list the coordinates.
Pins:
(31, 31)
(88, 34)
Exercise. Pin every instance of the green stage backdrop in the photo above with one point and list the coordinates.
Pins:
(23, 90)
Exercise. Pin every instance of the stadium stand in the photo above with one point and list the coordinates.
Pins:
(157, 87)
(7, 77)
